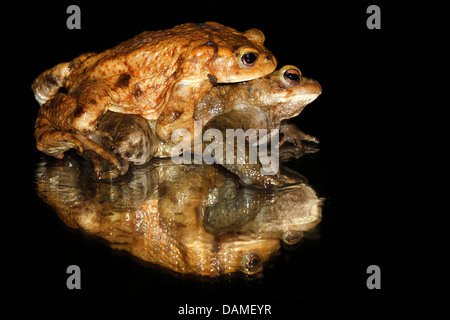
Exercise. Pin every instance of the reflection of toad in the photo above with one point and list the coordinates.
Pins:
(263, 103)
(159, 75)
(191, 219)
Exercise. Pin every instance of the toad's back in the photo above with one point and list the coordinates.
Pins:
(141, 70)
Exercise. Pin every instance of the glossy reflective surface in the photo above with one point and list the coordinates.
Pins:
(191, 219)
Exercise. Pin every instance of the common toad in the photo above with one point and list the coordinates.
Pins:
(159, 75)
(263, 103)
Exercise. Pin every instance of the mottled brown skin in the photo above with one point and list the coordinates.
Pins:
(191, 219)
(159, 75)
(128, 137)
(264, 103)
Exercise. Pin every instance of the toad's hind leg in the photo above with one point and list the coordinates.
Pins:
(48, 83)
(54, 143)
(56, 132)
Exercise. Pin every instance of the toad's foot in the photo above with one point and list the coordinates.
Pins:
(55, 143)
(277, 180)
(104, 169)
(290, 133)
(289, 152)
(295, 148)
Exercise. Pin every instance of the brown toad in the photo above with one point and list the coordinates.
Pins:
(263, 103)
(159, 75)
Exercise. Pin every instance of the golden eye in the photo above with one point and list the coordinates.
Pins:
(292, 237)
(292, 76)
(249, 58)
(251, 263)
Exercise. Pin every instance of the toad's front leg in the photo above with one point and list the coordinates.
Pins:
(291, 133)
(295, 148)
(180, 103)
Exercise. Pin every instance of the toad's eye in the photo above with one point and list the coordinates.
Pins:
(249, 58)
(292, 237)
(252, 263)
(292, 76)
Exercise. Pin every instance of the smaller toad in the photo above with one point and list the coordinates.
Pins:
(264, 103)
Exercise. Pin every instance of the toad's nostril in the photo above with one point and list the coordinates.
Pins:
(269, 58)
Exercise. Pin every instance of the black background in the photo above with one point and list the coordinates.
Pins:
(382, 120)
